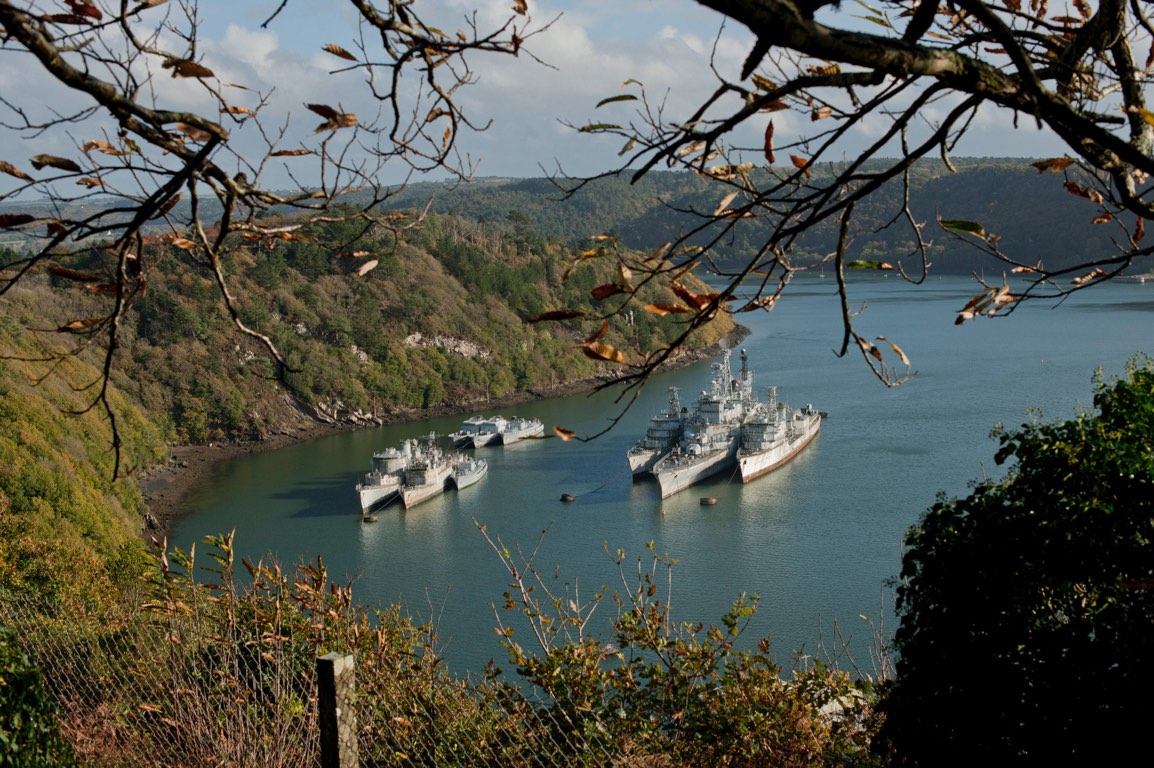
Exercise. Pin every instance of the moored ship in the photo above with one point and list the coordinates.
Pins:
(426, 474)
(469, 470)
(385, 478)
(661, 435)
(518, 428)
(774, 435)
(488, 430)
(470, 428)
(711, 432)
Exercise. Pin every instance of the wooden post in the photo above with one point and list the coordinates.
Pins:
(338, 719)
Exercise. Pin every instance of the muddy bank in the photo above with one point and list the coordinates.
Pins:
(168, 486)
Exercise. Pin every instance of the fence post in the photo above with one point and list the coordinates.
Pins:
(338, 719)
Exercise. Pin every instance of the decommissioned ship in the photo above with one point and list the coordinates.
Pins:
(773, 435)
(664, 430)
(729, 429)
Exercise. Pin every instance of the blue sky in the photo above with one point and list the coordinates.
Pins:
(591, 48)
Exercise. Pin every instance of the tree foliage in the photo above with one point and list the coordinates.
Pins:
(1027, 608)
(814, 83)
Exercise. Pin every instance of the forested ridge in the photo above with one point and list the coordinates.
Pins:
(1033, 213)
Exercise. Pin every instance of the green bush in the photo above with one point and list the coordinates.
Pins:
(1027, 608)
(29, 737)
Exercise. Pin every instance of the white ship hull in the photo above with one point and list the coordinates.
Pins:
(433, 481)
(675, 475)
(481, 439)
(469, 471)
(642, 460)
(372, 495)
(754, 465)
(521, 429)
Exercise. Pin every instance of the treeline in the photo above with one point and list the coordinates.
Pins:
(1035, 215)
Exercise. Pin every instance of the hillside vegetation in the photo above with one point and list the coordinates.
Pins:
(1035, 215)
(441, 323)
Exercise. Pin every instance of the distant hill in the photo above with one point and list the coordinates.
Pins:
(1035, 216)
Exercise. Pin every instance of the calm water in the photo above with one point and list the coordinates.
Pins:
(816, 540)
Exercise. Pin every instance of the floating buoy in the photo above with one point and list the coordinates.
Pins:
(369, 519)
(566, 497)
(708, 501)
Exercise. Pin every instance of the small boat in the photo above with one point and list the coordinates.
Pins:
(469, 470)
(708, 501)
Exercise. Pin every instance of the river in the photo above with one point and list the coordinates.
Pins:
(816, 540)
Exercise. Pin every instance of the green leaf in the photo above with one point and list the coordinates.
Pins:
(619, 97)
(963, 227)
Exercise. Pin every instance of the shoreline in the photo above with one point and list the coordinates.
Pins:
(166, 487)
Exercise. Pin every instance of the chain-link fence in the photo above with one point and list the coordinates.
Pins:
(138, 689)
(193, 673)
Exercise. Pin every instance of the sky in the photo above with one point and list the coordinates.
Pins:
(591, 48)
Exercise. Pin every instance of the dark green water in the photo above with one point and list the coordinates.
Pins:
(816, 539)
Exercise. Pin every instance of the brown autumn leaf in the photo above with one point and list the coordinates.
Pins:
(192, 132)
(65, 18)
(1093, 274)
(9, 220)
(870, 349)
(63, 163)
(604, 329)
(666, 309)
(95, 144)
(85, 9)
(800, 163)
(11, 170)
(324, 110)
(187, 68)
(55, 229)
(897, 350)
(1139, 232)
(564, 434)
(821, 113)
(1053, 165)
(557, 314)
(689, 297)
(770, 155)
(521, 7)
(607, 290)
(823, 71)
(368, 267)
(236, 110)
(339, 52)
(79, 325)
(777, 105)
(599, 350)
(182, 242)
(1104, 218)
(90, 182)
(723, 206)
(291, 152)
(1081, 191)
(103, 289)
